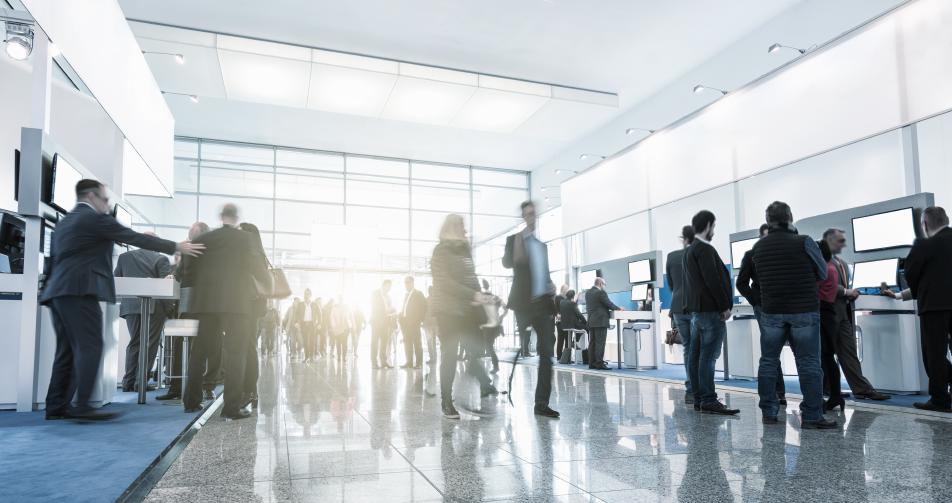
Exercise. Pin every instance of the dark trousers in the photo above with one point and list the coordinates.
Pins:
(541, 319)
(596, 346)
(828, 333)
(78, 324)
(134, 322)
(561, 340)
(175, 366)
(214, 368)
(845, 347)
(238, 330)
(309, 338)
(454, 332)
(380, 344)
(250, 382)
(489, 337)
(523, 321)
(412, 343)
(935, 329)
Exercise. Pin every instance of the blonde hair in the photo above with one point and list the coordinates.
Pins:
(453, 228)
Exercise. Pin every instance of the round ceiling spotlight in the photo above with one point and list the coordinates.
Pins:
(776, 47)
(19, 40)
(701, 88)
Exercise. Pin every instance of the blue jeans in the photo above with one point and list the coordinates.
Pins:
(708, 331)
(803, 332)
(781, 386)
(683, 322)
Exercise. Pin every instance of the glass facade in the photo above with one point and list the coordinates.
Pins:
(333, 210)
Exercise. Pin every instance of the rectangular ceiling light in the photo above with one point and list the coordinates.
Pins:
(426, 101)
(498, 111)
(349, 91)
(264, 79)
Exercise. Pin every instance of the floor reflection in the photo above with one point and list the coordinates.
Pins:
(329, 431)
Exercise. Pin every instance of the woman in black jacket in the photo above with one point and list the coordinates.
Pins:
(457, 304)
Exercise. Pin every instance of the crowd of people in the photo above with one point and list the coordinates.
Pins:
(798, 288)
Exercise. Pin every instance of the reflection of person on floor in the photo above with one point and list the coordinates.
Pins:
(704, 479)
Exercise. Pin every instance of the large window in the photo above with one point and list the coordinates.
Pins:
(326, 209)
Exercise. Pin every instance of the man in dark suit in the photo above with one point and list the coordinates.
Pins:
(308, 320)
(141, 263)
(223, 295)
(599, 308)
(709, 300)
(531, 297)
(381, 326)
(560, 340)
(411, 317)
(674, 269)
(80, 278)
(929, 274)
(571, 318)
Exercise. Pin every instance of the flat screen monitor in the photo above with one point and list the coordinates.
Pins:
(65, 178)
(122, 215)
(739, 248)
(893, 229)
(586, 279)
(639, 271)
(639, 292)
(874, 273)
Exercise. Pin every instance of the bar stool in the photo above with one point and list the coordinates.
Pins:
(177, 328)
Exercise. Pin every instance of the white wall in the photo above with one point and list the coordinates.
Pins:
(884, 75)
(935, 158)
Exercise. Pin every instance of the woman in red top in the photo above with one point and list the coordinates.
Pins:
(828, 330)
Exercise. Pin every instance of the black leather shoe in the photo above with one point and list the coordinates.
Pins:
(697, 407)
(872, 395)
(782, 400)
(930, 405)
(55, 415)
(545, 411)
(821, 424)
(718, 408)
(169, 396)
(239, 414)
(192, 410)
(769, 420)
(689, 398)
(89, 414)
(834, 403)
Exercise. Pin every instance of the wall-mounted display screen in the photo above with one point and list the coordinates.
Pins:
(893, 229)
(65, 178)
(639, 292)
(639, 271)
(739, 249)
(586, 279)
(875, 272)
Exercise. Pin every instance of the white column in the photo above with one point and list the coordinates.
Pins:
(910, 157)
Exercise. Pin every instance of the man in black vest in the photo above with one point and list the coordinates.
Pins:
(787, 267)
(929, 274)
(674, 269)
(599, 308)
(709, 300)
(80, 278)
(531, 297)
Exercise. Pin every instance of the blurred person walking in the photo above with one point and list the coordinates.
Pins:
(411, 317)
(382, 318)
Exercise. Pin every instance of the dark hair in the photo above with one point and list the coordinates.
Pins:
(778, 213)
(570, 294)
(935, 217)
(85, 186)
(253, 230)
(702, 220)
(831, 231)
(763, 228)
(825, 250)
(687, 233)
(526, 204)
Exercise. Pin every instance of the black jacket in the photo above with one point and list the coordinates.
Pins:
(413, 309)
(599, 307)
(454, 279)
(747, 280)
(520, 293)
(140, 264)
(674, 268)
(929, 272)
(316, 313)
(222, 278)
(786, 272)
(571, 317)
(82, 254)
(708, 282)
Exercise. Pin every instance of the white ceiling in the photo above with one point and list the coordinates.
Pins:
(629, 47)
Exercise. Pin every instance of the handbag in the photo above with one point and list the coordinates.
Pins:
(673, 336)
(278, 287)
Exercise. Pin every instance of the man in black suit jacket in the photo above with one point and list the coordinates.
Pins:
(80, 278)
(141, 263)
(709, 300)
(308, 318)
(382, 318)
(571, 319)
(599, 308)
(411, 317)
(531, 297)
(223, 296)
(929, 274)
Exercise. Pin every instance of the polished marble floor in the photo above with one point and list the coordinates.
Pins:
(327, 432)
